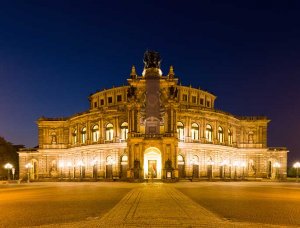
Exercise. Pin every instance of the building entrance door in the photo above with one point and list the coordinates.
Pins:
(152, 163)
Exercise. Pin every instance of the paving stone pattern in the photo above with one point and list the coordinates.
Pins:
(158, 205)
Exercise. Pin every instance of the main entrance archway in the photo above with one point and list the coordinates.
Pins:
(152, 163)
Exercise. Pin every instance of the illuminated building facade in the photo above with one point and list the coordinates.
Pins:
(153, 128)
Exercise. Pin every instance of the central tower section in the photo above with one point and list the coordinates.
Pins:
(152, 74)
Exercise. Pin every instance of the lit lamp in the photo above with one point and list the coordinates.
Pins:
(296, 166)
(277, 165)
(61, 166)
(28, 166)
(8, 166)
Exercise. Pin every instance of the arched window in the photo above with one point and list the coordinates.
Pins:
(83, 135)
(180, 160)
(195, 131)
(109, 132)
(220, 135)
(95, 133)
(195, 160)
(229, 137)
(74, 136)
(124, 131)
(208, 133)
(180, 131)
(110, 160)
(124, 158)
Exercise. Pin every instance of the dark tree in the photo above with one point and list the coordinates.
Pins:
(8, 154)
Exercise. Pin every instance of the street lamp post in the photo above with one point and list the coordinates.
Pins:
(224, 163)
(28, 166)
(277, 166)
(8, 166)
(235, 164)
(69, 167)
(297, 166)
(243, 164)
(80, 164)
(13, 170)
(61, 166)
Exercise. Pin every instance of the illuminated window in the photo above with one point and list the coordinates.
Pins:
(195, 131)
(124, 158)
(220, 135)
(124, 131)
(229, 137)
(74, 136)
(184, 97)
(180, 131)
(208, 133)
(83, 135)
(95, 133)
(109, 132)
(180, 160)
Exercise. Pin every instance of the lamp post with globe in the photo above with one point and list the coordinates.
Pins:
(277, 166)
(28, 166)
(297, 166)
(8, 166)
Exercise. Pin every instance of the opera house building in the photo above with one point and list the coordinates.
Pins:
(153, 127)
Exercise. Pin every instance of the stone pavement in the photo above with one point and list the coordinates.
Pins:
(158, 205)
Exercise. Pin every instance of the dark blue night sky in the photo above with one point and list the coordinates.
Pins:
(53, 54)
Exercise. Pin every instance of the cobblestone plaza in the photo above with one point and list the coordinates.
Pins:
(183, 204)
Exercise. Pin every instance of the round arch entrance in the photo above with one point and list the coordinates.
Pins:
(152, 163)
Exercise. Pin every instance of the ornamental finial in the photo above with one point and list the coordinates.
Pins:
(171, 73)
(133, 73)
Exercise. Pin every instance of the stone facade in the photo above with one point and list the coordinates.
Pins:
(153, 128)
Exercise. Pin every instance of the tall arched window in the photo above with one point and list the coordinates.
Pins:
(109, 132)
(83, 135)
(180, 131)
(95, 133)
(124, 131)
(220, 135)
(74, 136)
(208, 133)
(195, 131)
(229, 137)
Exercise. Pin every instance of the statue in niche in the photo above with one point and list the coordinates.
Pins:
(152, 59)
(53, 138)
(173, 92)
